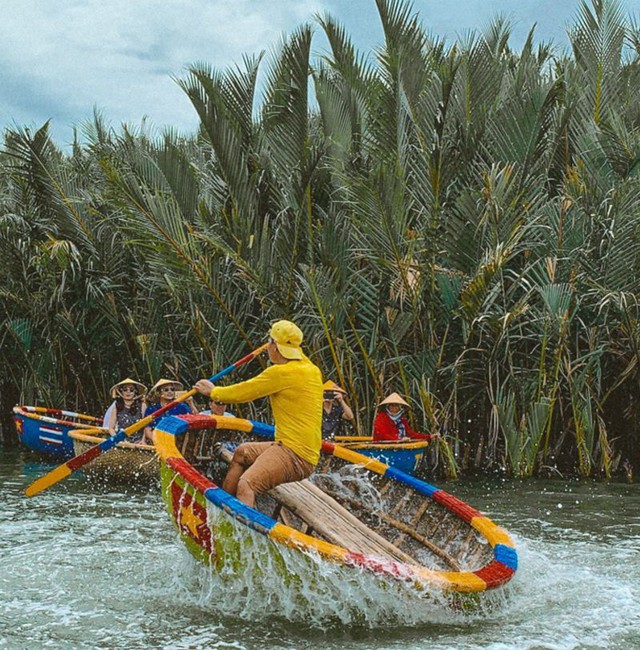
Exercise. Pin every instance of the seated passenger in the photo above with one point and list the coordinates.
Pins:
(216, 408)
(390, 423)
(334, 410)
(163, 393)
(128, 407)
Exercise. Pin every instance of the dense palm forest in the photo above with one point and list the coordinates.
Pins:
(459, 222)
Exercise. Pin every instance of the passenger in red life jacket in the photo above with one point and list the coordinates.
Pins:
(390, 423)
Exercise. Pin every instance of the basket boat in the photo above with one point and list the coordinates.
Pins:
(46, 430)
(127, 462)
(405, 455)
(354, 511)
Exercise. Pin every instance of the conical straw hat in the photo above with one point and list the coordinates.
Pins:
(164, 382)
(394, 398)
(113, 391)
(332, 386)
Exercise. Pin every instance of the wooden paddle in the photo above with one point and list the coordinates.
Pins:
(64, 470)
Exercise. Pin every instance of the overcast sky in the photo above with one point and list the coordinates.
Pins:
(61, 58)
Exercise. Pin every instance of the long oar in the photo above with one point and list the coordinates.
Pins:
(62, 471)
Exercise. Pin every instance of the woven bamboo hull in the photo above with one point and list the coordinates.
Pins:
(355, 511)
(46, 430)
(126, 463)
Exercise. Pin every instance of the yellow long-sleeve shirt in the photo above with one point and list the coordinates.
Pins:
(295, 392)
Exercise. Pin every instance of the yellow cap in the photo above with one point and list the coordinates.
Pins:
(288, 338)
(332, 386)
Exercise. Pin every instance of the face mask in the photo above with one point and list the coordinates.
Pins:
(397, 416)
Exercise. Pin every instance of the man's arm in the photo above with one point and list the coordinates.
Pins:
(266, 383)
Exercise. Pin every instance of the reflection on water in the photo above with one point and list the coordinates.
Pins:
(87, 567)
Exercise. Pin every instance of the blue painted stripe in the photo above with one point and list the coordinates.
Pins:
(244, 513)
(262, 429)
(419, 486)
(506, 555)
(173, 424)
(117, 437)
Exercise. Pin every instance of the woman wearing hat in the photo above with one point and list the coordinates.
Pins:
(162, 393)
(128, 407)
(334, 410)
(390, 423)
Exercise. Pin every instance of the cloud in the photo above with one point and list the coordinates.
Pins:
(59, 60)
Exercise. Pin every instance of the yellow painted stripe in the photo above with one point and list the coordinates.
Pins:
(233, 424)
(463, 581)
(359, 459)
(455, 580)
(399, 447)
(493, 533)
(47, 480)
(165, 444)
(295, 539)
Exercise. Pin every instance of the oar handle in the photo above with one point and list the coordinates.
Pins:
(140, 424)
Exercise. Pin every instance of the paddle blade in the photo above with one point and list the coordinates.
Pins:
(62, 471)
(55, 475)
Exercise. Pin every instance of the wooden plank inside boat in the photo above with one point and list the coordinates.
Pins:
(329, 520)
(334, 523)
(383, 518)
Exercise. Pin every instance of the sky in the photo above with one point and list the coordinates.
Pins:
(61, 60)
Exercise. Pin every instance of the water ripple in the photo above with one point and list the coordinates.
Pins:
(87, 568)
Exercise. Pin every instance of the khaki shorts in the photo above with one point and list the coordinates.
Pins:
(270, 464)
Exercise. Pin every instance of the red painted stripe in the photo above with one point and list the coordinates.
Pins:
(495, 574)
(180, 465)
(328, 447)
(46, 430)
(244, 360)
(459, 508)
(376, 565)
(84, 458)
(197, 421)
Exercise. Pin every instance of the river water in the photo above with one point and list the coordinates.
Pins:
(85, 566)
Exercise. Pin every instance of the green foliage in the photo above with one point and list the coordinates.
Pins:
(458, 222)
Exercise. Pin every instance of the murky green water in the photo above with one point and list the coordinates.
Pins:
(82, 567)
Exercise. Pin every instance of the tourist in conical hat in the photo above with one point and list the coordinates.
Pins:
(163, 392)
(335, 410)
(128, 406)
(391, 424)
(294, 387)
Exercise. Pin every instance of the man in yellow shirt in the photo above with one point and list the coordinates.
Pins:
(294, 387)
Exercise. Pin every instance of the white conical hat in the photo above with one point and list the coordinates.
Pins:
(394, 398)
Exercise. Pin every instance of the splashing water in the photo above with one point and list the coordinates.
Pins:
(83, 568)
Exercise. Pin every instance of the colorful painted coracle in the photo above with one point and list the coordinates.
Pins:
(46, 430)
(354, 511)
(61, 434)
(405, 455)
